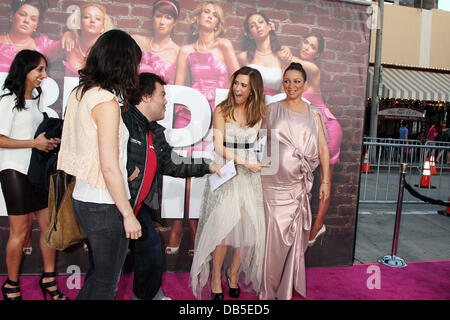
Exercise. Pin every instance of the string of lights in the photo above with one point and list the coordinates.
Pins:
(413, 104)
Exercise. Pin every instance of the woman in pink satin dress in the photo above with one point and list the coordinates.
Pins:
(297, 129)
(209, 59)
(310, 50)
(205, 65)
(25, 17)
(159, 52)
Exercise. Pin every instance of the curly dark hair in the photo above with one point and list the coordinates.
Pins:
(112, 64)
(23, 63)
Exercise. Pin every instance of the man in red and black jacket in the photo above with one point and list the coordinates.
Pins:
(149, 155)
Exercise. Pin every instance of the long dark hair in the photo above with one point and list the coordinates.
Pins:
(256, 106)
(249, 44)
(112, 64)
(23, 63)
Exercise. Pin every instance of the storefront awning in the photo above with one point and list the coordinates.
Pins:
(400, 83)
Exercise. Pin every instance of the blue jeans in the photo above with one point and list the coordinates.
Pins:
(148, 262)
(107, 244)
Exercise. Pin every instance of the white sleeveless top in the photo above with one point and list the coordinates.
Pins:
(271, 76)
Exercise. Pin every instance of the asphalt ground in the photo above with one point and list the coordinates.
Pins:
(424, 234)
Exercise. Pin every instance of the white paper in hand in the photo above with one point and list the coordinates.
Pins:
(228, 171)
(259, 148)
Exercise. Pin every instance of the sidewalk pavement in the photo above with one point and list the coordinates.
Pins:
(424, 235)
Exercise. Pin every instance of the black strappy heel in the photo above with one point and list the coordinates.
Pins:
(6, 290)
(46, 285)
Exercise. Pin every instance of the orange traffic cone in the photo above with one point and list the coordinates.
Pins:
(366, 166)
(447, 210)
(425, 180)
(433, 165)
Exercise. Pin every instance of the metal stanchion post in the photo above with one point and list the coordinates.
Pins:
(392, 260)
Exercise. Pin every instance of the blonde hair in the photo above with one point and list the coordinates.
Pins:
(220, 29)
(256, 105)
(73, 22)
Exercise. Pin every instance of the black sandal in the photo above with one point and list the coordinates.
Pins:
(6, 290)
(46, 285)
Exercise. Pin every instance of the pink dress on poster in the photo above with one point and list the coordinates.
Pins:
(152, 63)
(8, 51)
(333, 127)
(208, 73)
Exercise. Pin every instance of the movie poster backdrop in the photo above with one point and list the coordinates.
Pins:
(335, 58)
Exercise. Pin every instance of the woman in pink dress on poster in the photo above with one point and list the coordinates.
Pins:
(92, 20)
(159, 52)
(310, 50)
(205, 65)
(24, 22)
(209, 59)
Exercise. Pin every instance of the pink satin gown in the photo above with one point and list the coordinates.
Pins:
(332, 125)
(8, 51)
(286, 196)
(153, 63)
(208, 73)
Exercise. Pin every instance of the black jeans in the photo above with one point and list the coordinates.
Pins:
(148, 262)
(107, 244)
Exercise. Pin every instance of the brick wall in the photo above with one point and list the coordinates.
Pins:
(343, 64)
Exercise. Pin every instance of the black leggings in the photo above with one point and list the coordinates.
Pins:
(20, 195)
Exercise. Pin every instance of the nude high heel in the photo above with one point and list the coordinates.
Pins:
(174, 250)
(319, 234)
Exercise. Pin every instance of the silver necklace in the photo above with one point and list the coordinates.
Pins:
(81, 51)
(160, 49)
(20, 45)
(263, 53)
(205, 47)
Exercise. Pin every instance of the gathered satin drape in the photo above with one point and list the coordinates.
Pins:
(287, 195)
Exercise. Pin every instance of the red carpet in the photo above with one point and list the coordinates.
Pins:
(418, 281)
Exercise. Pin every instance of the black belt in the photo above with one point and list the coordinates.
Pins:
(236, 145)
